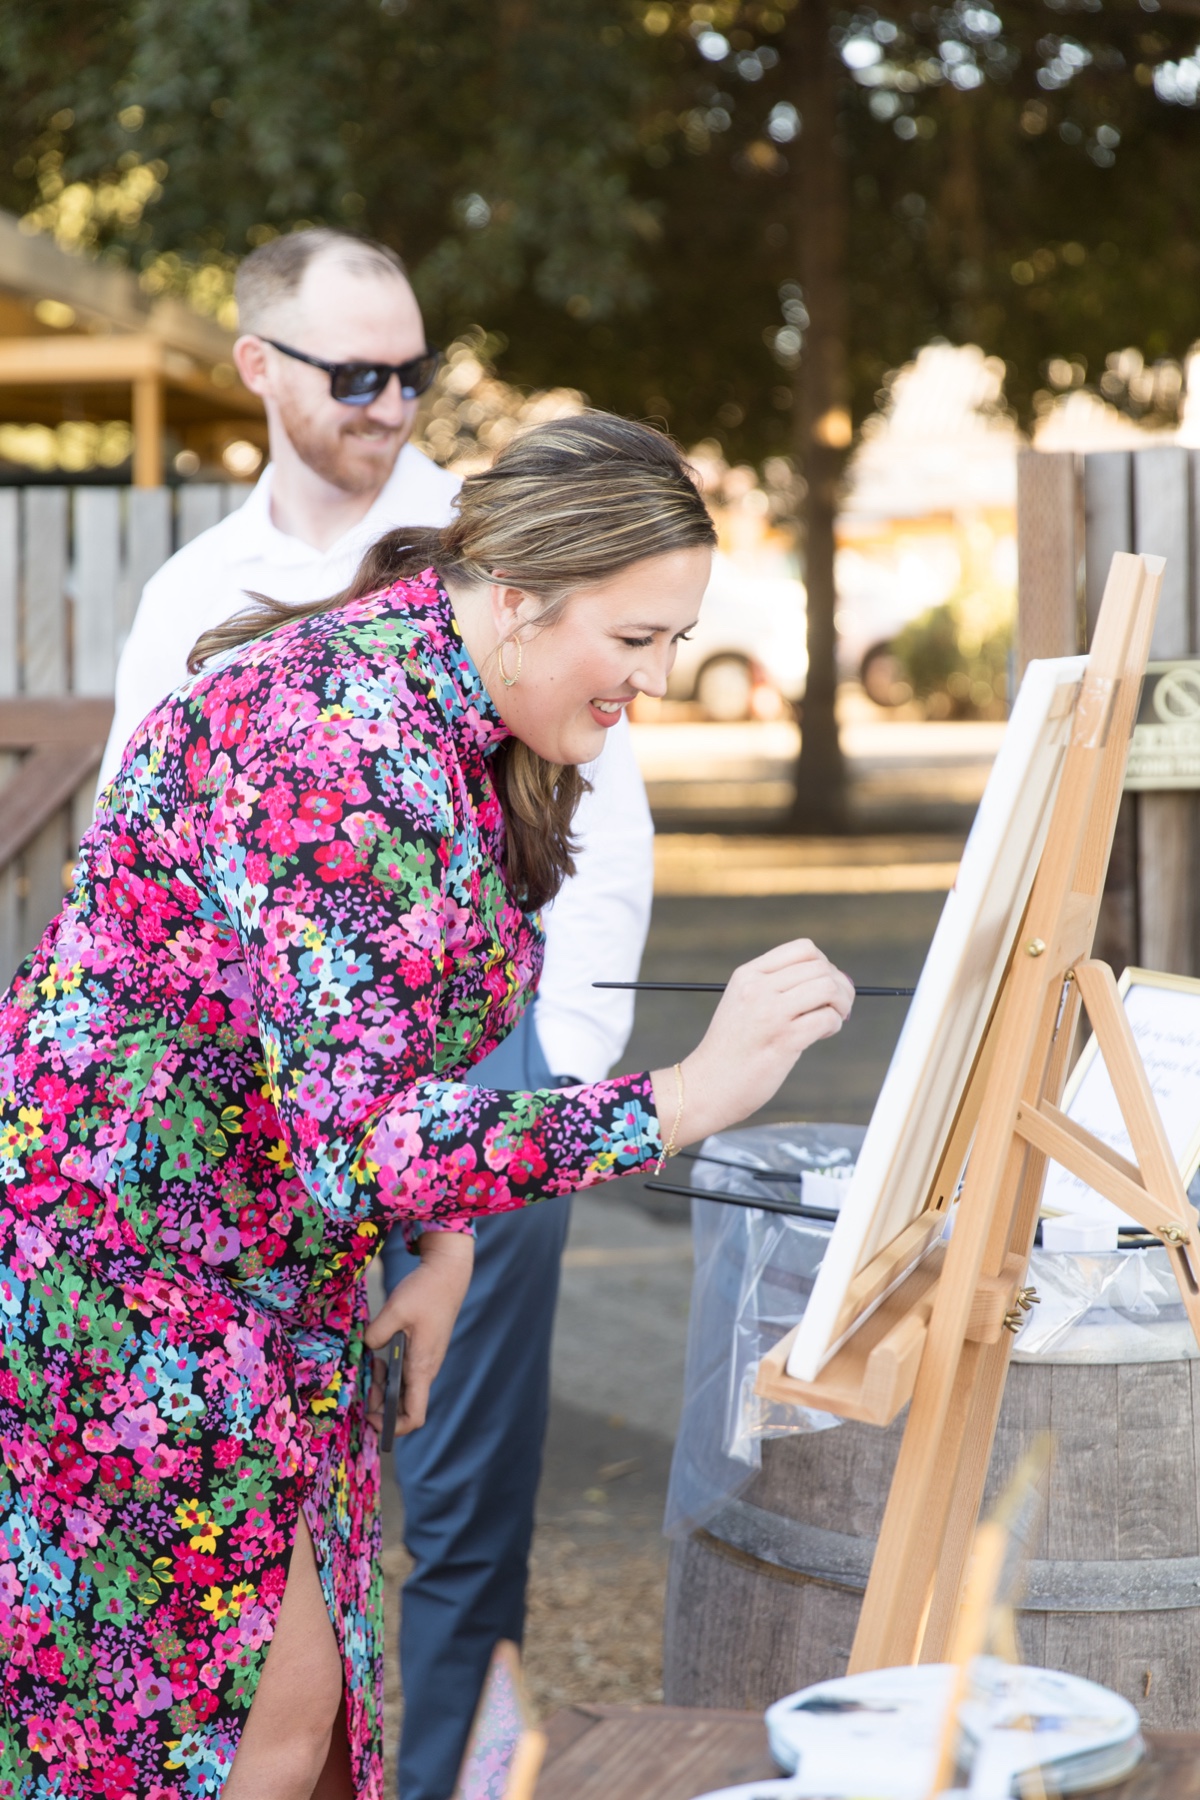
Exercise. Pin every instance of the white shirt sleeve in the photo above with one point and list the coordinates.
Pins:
(596, 927)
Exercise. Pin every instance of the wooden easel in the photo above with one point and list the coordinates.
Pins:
(942, 1338)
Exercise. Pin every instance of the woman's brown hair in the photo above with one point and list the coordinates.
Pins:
(564, 505)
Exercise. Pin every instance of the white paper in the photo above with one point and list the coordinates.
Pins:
(1166, 1024)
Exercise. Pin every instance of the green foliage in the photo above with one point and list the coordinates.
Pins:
(610, 185)
(955, 659)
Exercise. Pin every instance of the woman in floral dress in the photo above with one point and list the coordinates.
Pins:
(308, 904)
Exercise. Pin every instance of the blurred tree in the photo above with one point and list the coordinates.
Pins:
(425, 123)
(737, 215)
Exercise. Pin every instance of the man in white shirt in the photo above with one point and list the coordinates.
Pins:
(334, 343)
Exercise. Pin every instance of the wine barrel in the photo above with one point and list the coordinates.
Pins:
(764, 1598)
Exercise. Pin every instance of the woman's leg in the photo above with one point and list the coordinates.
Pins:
(289, 1742)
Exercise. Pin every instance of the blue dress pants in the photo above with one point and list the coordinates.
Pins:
(469, 1476)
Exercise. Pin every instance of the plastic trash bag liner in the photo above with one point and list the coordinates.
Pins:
(1116, 1306)
(754, 1273)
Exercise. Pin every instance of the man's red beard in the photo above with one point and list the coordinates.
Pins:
(331, 454)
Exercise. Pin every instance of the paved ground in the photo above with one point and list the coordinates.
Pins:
(904, 775)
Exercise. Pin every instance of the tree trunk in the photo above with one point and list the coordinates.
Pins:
(820, 411)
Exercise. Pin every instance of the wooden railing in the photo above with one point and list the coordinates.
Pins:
(73, 562)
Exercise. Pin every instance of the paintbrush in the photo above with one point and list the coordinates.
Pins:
(718, 987)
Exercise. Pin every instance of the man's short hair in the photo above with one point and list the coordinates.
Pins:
(271, 275)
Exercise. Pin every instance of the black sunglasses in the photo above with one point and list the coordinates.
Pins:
(358, 383)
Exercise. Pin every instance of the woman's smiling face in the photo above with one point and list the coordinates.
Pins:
(613, 639)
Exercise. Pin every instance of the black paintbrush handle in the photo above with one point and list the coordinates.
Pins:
(718, 987)
(793, 1208)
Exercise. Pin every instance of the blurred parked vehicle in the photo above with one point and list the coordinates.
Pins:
(747, 657)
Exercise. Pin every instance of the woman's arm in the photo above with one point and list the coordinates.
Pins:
(339, 863)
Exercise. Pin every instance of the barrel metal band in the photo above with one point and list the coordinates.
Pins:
(1152, 1584)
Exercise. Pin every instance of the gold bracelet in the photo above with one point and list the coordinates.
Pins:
(669, 1149)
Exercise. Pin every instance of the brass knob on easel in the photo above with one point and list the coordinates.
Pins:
(1026, 1298)
(1173, 1234)
(1035, 947)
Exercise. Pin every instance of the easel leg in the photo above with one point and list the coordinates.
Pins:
(895, 1626)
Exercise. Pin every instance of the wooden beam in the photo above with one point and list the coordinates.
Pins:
(103, 357)
(148, 432)
(56, 720)
(108, 359)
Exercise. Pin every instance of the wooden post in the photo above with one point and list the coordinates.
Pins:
(1049, 555)
(1168, 831)
(148, 431)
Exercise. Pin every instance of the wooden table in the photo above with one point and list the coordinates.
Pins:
(677, 1752)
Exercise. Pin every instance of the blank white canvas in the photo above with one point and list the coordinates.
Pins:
(950, 1009)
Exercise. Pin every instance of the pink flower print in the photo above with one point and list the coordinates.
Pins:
(245, 1352)
(117, 1471)
(379, 733)
(34, 1243)
(38, 1734)
(120, 1778)
(317, 814)
(124, 1717)
(158, 1462)
(481, 1193)
(314, 1094)
(140, 1428)
(385, 1040)
(183, 1675)
(423, 927)
(337, 861)
(153, 1695)
(26, 1629)
(206, 1014)
(84, 1528)
(222, 1241)
(230, 722)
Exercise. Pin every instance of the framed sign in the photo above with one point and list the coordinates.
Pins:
(1165, 750)
(1164, 1015)
(890, 1193)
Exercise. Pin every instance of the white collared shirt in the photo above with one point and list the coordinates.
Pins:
(596, 928)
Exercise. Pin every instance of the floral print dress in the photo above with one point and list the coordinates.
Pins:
(232, 1063)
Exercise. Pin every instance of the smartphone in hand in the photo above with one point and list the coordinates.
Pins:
(393, 1390)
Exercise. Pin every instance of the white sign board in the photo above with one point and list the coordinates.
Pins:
(1164, 1014)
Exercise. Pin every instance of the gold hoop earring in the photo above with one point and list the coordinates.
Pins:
(506, 678)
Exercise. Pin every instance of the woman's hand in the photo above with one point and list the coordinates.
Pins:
(771, 1011)
(425, 1305)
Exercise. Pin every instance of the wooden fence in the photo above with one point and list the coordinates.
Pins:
(73, 562)
(1073, 512)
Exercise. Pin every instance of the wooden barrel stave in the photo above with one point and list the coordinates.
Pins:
(1115, 1576)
